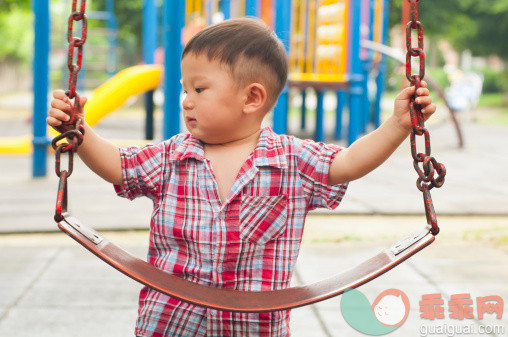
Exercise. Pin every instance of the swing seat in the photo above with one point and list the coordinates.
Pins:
(243, 301)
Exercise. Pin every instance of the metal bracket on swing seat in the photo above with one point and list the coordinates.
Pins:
(409, 240)
(87, 232)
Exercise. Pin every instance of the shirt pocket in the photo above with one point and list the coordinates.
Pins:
(262, 218)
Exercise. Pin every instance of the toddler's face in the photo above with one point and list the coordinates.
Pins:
(212, 108)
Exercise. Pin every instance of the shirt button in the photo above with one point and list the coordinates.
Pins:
(213, 312)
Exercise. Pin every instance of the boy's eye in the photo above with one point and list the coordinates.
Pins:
(198, 90)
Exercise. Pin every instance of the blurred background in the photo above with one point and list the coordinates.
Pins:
(460, 36)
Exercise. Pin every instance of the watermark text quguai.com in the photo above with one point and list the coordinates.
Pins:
(450, 330)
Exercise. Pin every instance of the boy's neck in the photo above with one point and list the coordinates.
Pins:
(249, 140)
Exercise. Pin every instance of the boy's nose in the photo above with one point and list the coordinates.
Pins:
(187, 103)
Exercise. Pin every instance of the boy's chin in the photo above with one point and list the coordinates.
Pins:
(201, 136)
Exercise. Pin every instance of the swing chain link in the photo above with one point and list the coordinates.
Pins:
(72, 131)
(429, 165)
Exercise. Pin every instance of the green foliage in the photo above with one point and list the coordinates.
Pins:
(394, 75)
(130, 17)
(493, 80)
(438, 75)
(16, 34)
(8, 5)
(491, 100)
(468, 24)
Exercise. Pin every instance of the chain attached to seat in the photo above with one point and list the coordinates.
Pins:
(429, 165)
(72, 131)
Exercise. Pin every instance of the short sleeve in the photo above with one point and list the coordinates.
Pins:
(314, 162)
(142, 171)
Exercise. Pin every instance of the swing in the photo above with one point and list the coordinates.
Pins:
(234, 300)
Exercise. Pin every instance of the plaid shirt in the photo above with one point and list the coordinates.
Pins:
(250, 242)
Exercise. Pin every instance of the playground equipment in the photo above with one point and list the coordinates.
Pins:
(321, 36)
(245, 301)
(108, 97)
(113, 93)
(318, 48)
(325, 55)
(102, 59)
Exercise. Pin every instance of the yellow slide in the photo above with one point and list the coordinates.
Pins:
(110, 96)
(113, 93)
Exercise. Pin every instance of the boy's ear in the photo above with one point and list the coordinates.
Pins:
(256, 98)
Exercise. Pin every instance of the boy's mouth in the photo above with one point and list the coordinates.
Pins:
(190, 119)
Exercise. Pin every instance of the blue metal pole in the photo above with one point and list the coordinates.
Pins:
(252, 8)
(320, 132)
(173, 22)
(112, 25)
(341, 101)
(356, 77)
(380, 80)
(209, 10)
(282, 29)
(41, 86)
(303, 109)
(149, 30)
(367, 64)
(226, 9)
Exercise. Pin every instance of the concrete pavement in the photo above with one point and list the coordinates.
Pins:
(52, 287)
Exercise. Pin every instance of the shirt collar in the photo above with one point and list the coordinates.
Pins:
(190, 147)
(268, 152)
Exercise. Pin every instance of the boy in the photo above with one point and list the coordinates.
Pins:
(230, 198)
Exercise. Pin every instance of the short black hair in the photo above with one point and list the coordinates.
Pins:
(249, 48)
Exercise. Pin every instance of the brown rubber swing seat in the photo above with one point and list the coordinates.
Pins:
(243, 301)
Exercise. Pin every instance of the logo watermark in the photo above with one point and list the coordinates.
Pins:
(386, 314)
(391, 308)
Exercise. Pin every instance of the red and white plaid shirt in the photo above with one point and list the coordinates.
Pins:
(250, 242)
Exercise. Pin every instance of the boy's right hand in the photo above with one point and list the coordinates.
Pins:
(61, 107)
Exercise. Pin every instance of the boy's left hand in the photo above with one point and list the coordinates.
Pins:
(401, 106)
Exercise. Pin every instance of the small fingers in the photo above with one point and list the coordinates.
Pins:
(52, 121)
(429, 110)
(405, 93)
(61, 105)
(423, 100)
(60, 94)
(422, 92)
(58, 114)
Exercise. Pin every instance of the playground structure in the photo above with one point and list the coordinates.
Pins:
(102, 60)
(322, 38)
(325, 55)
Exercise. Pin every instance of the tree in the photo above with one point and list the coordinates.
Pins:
(7, 5)
(15, 18)
(477, 25)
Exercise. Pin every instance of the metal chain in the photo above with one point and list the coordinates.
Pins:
(72, 131)
(429, 165)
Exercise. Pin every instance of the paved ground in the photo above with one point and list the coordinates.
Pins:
(51, 287)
